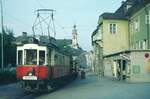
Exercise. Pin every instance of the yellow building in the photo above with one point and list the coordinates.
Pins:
(114, 31)
(111, 36)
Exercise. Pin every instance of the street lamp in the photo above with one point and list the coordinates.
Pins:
(2, 29)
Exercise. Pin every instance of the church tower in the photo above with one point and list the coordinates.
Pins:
(74, 38)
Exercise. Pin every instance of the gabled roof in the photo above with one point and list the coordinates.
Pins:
(136, 6)
(123, 13)
(113, 16)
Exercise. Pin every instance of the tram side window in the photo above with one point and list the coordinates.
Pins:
(20, 57)
(31, 57)
(41, 57)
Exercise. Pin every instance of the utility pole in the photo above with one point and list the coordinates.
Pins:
(2, 29)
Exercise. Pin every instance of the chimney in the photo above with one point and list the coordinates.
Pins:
(24, 34)
(122, 2)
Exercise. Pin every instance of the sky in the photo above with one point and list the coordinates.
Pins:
(20, 15)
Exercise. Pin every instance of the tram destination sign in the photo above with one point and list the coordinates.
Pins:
(29, 78)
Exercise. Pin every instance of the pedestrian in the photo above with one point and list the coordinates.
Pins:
(118, 73)
(82, 72)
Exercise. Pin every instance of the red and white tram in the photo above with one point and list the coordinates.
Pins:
(42, 66)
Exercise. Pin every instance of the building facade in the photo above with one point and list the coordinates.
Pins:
(114, 31)
(140, 28)
(89, 60)
(123, 33)
(97, 44)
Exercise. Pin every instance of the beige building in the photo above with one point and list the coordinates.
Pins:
(111, 36)
(114, 31)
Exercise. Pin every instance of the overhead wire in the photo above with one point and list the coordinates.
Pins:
(53, 28)
(16, 19)
(39, 3)
(53, 24)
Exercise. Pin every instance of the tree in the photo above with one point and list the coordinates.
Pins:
(64, 45)
(9, 48)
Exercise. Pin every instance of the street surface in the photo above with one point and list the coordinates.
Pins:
(104, 88)
(13, 91)
(90, 88)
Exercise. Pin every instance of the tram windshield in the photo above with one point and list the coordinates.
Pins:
(30, 57)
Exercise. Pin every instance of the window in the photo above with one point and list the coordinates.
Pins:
(136, 25)
(137, 45)
(30, 57)
(41, 57)
(147, 19)
(19, 57)
(140, 44)
(145, 44)
(128, 6)
(112, 28)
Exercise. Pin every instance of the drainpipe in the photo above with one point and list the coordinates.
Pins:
(129, 35)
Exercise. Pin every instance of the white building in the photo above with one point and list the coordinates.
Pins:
(90, 60)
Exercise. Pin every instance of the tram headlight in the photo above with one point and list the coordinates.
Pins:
(30, 74)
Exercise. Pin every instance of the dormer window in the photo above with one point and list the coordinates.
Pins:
(128, 6)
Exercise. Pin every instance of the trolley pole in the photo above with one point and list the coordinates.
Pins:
(2, 30)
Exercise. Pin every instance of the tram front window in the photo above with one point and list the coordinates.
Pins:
(30, 57)
(20, 57)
